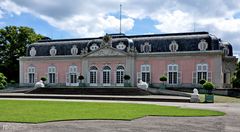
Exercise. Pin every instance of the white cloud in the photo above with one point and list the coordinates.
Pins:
(94, 17)
(174, 22)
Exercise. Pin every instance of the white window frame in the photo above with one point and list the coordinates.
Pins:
(72, 71)
(74, 50)
(52, 70)
(32, 71)
(107, 71)
(173, 68)
(146, 69)
(201, 68)
(119, 75)
(94, 70)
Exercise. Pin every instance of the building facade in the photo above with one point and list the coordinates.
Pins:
(185, 58)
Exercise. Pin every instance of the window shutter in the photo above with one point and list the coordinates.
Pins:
(56, 81)
(67, 77)
(194, 78)
(139, 76)
(35, 77)
(209, 76)
(26, 78)
(115, 77)
(101, 76)
(78, 74)
(167, 77)
(47, 76)
(179, 77)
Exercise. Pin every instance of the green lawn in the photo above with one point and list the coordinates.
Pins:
(221, 99)
(44, 111)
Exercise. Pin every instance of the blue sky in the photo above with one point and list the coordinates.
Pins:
(90, 18)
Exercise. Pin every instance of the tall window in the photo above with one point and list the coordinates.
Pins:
(173, 74)
(202, 72)
(145, 70)
(31, 74)
(73, 74)
(93, 75)
(119, 75)
(52, 74)
(106, 75)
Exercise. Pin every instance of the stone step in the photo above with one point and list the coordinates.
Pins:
(150, 98)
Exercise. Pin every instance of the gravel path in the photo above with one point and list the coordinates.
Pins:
(228, 123)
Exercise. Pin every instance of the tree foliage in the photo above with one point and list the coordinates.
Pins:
(13, 44)
(127, 77)
(3, 81)
(236, 78)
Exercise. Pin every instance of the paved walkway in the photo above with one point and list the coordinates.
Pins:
(228, 123)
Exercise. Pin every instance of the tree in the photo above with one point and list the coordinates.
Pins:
(13, 44)
(3, 81)
(236, 78)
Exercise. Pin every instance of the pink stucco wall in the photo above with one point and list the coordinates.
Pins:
(187, 64)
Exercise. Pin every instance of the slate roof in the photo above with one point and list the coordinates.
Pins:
(159, 43)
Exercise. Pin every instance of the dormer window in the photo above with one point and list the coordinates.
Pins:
(33, 51)
(202, 45)
(53, 51)
(146, 48)
(121, 46)
(226, 51)
(74, 50)
(93, 47)
(173, 47)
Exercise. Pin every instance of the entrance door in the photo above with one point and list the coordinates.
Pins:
(106, 76)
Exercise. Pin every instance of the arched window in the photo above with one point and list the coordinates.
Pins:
(106, 76)
(119, 76)
(51, 74)
(93, 75)
(31, 74)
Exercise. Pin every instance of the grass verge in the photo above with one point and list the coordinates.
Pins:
(45, 111)
(221, 99)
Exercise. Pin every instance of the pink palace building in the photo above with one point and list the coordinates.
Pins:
(184, 58)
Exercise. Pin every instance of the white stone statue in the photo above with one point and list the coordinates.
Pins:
(142, 85)
(39, 84)
(195, 96)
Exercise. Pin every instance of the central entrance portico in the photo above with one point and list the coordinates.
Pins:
(106, 66)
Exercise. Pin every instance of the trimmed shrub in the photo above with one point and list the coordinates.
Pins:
(81, 77)
(163, 78)
(208, 86)
(127, 77)
(43, 79)
(202, 81)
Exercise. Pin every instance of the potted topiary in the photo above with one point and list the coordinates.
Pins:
(126, 78)
(163, 79)
(43, 79)
(202, 81)
(209, 96)
(81, 77)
